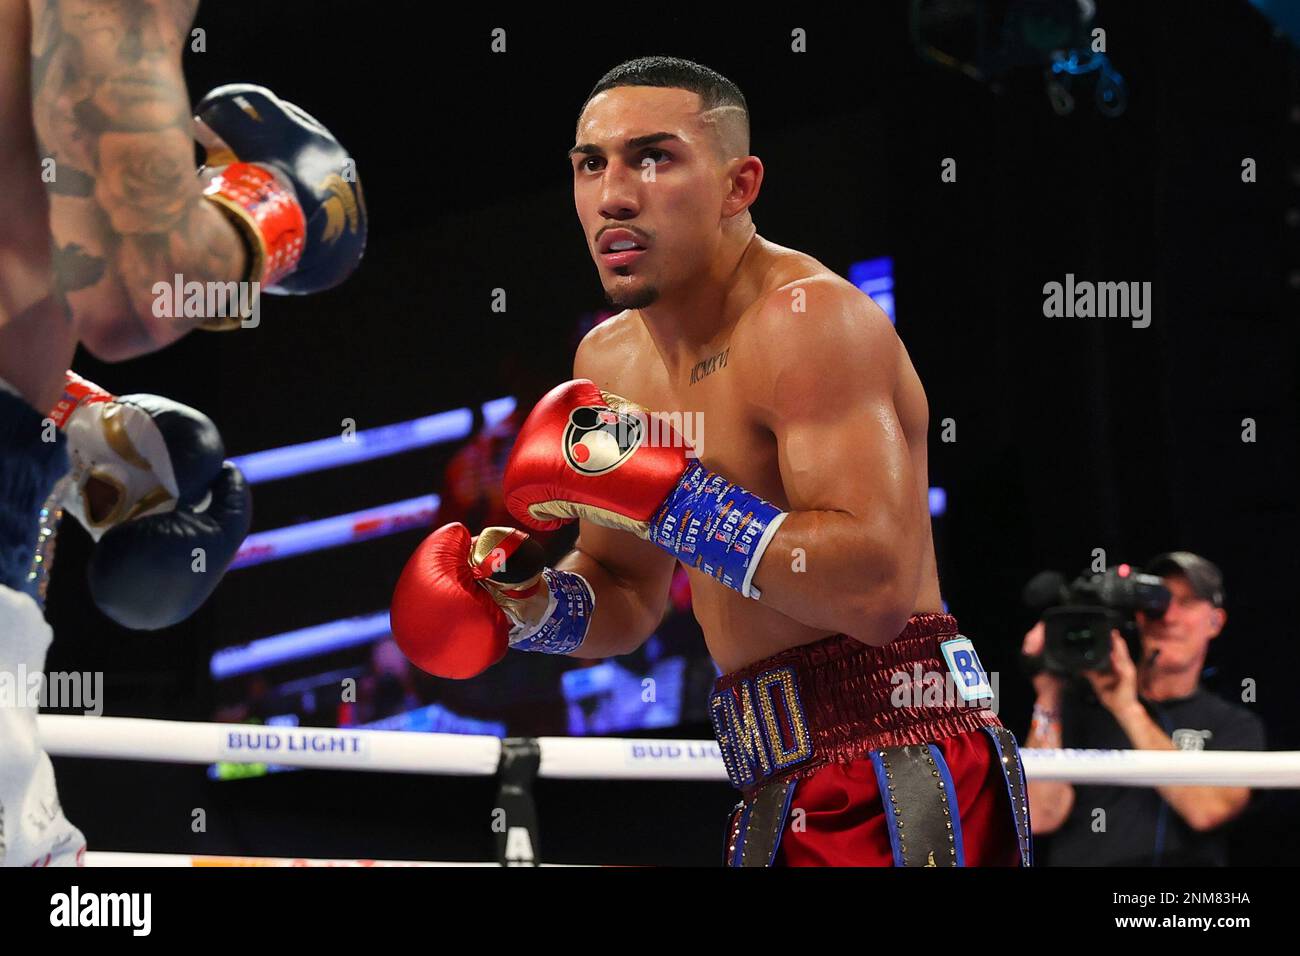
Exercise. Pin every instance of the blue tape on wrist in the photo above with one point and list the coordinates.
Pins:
(716, 526)
(566, 628)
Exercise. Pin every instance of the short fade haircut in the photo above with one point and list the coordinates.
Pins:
(716, 92)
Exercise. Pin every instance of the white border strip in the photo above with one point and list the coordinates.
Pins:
(105, 858)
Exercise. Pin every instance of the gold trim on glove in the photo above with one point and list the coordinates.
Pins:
(254, 243)
(552, 510)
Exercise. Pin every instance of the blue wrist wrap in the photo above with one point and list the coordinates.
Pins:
(717, 527)
(566, 628)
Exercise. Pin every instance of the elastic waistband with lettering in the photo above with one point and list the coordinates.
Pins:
(838, 699)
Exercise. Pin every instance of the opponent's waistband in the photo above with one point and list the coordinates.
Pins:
(29, 467)
(838, 699)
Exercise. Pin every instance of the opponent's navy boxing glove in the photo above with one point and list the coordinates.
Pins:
(289, 187)
(150, 484)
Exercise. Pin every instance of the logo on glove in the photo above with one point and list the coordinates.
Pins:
(599, 439)
(342, 208)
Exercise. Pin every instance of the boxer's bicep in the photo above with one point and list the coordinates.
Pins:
(858, 464)
(840, 444)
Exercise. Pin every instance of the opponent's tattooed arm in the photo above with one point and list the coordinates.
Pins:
(111, 109)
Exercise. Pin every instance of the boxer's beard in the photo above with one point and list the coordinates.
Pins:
(634, 298)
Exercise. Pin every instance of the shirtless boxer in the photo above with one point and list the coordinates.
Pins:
(811, 562)
(100, 202)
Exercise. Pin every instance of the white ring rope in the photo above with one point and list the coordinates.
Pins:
(1257, 769)
(392, 751)
(176, 741)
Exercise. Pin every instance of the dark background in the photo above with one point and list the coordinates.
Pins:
(1072, 434)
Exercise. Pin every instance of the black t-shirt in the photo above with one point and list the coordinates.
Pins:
(1141, 829)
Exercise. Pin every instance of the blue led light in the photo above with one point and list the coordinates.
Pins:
(875, 277)
(368, 444)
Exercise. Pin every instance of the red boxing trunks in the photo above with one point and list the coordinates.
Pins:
(852, 755)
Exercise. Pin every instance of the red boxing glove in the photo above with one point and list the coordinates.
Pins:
(585, 453)
(582, 453)
(441, 618)
(461, 602)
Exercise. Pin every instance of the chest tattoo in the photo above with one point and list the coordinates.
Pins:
(702, 370)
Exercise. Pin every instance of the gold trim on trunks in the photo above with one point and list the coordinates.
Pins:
(750, 731)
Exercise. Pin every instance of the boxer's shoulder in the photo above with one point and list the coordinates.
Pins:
(611, 352)
(833, 295)
(792, 285)
(820, 313)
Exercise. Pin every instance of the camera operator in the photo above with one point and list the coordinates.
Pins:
(1157, 704)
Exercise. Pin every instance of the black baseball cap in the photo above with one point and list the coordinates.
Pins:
(1204, 576)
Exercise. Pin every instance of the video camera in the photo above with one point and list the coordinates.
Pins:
(1080, 616)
